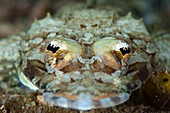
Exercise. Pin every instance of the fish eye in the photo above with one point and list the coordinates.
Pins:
(53, 48)
(124, 50)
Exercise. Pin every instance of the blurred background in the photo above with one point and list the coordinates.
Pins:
(17, 15)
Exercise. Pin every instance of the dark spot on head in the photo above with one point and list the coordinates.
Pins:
(95, 25)
(125, 50)
(53, 48)
(82, 26)
(165, 79)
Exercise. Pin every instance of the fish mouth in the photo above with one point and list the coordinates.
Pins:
(88, 90)
(85, 101)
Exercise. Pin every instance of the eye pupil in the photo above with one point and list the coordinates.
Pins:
(53, 48)
(125, 50)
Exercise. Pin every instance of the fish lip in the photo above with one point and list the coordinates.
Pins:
(85, 101)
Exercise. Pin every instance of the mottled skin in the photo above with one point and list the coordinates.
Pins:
(88, 69)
